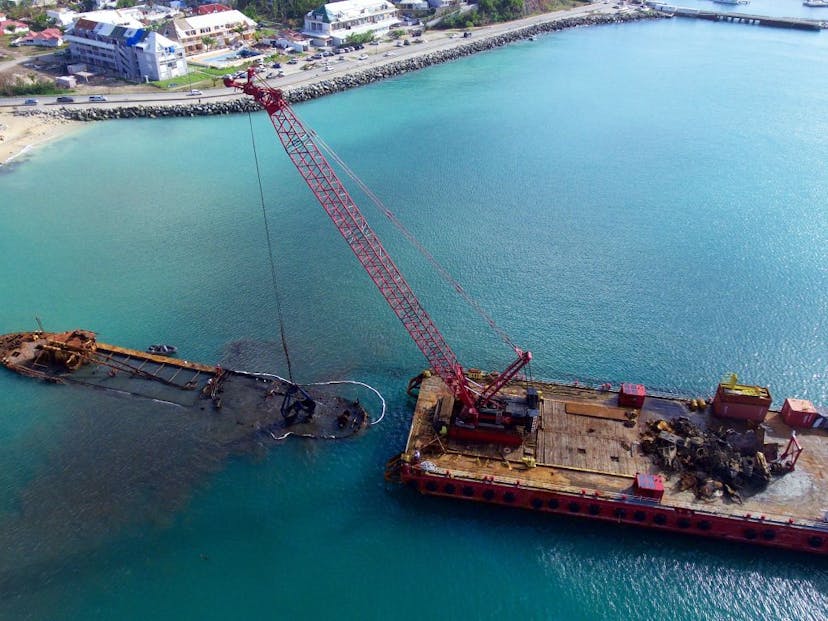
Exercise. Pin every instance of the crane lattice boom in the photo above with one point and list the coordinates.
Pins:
(343, 211)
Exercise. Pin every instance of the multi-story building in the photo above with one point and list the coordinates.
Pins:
(331, 24)
(136, 54)
(200, 32)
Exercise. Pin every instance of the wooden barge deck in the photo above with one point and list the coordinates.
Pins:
(582, 458)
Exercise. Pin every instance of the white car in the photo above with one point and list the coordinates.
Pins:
(362, 57)
(195, 91)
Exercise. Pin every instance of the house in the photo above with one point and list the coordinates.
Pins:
(119, 17)
(225, 28)
(62, 17)
(10, 26)
(289, 39)
(206, 9)
(413, 5)
(136, 54)
(333, 23)
(51, 37)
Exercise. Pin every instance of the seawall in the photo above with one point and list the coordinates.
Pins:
(341, 83)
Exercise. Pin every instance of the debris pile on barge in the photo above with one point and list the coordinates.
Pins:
(712, 462)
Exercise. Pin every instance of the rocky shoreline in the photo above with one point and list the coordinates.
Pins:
(345, 82)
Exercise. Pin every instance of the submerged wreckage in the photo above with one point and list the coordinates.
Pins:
(249, 403)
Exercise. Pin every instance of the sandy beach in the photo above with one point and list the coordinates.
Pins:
(24, 128)
(21, 133)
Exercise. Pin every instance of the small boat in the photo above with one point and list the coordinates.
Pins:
(814, 3)
(162, 350)
(733, 2)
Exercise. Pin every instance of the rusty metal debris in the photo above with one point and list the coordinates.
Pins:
(712, 463)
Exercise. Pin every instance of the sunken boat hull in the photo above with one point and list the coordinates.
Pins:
(587, 457)
(244, 405)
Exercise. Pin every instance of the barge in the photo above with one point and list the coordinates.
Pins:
(586, 455)
(244, 406)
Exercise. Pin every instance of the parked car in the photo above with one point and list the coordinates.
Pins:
(97, 98)
(276, 65)
(65, 99)
(317, 56)
(362, 57)
(30, 102)
(195, 91)
(292, 61)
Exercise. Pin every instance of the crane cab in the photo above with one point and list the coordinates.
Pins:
(506, 421)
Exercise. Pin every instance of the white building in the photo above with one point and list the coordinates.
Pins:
(225, 28)
(295, 41)
(134, 16)
(136, 54)
(331, 24)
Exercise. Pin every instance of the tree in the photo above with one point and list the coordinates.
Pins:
(356, 39)
(40, 22)
(208, 42)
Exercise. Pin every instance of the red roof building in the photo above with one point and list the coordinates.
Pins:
(206, 9)
(11, 26)
(51, 37)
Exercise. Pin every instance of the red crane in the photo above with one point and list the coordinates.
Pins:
(337, 202)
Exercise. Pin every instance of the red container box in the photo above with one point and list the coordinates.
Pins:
(742, 402)
(649, 486)
(632, 396)
(799, 413)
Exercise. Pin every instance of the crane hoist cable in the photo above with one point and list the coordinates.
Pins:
(384, 210)
(273, 277)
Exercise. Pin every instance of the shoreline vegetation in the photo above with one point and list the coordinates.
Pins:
(21, 129)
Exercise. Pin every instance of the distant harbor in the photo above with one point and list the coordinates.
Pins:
(745, 18)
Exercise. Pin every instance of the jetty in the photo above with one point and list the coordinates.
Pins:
(744, 18)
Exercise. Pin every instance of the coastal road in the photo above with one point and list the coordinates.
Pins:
(295, 76)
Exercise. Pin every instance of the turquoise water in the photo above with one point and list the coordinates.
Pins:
(643, 202)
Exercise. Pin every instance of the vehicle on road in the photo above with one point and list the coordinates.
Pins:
(292, 61)
(30, 102)
(65, 99)
(362, 57)
(195, 91)
(97, 98)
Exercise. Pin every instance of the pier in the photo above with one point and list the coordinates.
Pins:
(745, 18)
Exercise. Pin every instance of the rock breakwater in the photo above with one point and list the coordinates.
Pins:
(344, 82)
